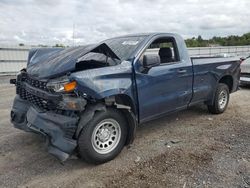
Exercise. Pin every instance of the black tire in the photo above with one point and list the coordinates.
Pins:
(88, 139)
(218, 107)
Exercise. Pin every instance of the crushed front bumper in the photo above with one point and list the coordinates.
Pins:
(56, 127)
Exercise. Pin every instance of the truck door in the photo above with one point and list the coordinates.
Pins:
(165, 87)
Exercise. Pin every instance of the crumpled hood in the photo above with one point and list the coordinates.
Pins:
(52, 62)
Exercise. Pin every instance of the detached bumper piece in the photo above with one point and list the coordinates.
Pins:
(59, 129)
(55, 127)
(18, 114)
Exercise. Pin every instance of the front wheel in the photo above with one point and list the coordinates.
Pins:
(221, 99)
(103, 138)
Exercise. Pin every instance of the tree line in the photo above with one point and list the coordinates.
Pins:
(232, 40)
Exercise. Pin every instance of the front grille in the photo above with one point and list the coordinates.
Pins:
(37, 101)
(37, 83)
(33, 99)
(21, 91)
(42, 103)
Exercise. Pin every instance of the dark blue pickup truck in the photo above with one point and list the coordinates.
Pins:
(90, 99)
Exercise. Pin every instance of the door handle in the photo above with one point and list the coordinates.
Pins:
(182, 71)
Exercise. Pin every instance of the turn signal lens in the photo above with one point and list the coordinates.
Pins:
(70, 86)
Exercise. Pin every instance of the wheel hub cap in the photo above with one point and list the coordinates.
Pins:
(223, 99)
(106, 136)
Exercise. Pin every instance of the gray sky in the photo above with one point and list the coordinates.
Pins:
(51, 21)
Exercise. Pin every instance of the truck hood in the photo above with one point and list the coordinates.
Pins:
(53, 62)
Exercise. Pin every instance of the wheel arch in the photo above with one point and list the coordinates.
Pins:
(121, 102)
(228, 80)
(125, 104)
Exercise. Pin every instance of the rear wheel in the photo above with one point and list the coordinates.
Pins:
(221, 99)
(103, 138)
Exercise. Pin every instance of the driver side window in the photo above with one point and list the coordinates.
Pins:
(165, 48)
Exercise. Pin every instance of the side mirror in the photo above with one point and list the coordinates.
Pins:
(151, 60)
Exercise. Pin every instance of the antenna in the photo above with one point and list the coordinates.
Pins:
(73, 34)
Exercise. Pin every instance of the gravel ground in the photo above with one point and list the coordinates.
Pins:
(188, 149)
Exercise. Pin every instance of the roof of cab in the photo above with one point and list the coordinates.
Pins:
(145, 34)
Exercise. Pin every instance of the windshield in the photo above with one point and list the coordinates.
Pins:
(124, 46)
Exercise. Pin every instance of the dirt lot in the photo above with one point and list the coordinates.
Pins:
(189, 149)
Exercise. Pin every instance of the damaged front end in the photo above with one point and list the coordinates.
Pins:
(62, 89)
(38, 108)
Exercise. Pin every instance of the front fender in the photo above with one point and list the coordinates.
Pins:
(107, 81)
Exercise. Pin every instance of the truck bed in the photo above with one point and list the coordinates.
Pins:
(207, 73)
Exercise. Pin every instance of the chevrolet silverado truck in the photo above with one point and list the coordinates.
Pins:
(90, 99)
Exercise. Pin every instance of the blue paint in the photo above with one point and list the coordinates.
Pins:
(161, 89)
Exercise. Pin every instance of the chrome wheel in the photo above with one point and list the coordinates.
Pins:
(223, 97)
(106, 136)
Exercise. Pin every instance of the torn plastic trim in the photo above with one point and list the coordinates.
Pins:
(88, 114)
(18, 114)
(111, 101)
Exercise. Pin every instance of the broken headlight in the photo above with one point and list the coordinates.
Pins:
(62, 84)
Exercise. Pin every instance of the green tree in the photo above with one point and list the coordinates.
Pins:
(59, 46)
(232, 40)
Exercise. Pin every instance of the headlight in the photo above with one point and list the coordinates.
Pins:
(61, 85)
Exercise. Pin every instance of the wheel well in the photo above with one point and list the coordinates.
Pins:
(125, 104)
(228, 80)
(125, 100)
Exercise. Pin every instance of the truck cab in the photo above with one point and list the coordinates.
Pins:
(164, 76)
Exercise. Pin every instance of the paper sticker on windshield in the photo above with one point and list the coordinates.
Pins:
(130, 42)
